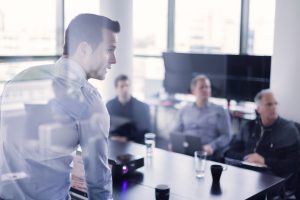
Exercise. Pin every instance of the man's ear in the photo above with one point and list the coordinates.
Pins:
(257, 110)
(84, 49)
(192, 90)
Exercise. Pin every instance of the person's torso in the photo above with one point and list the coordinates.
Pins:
(271, 142)
(133, 110)
(42, 134)
(202, 122)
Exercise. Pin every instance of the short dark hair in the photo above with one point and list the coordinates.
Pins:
(88, 28)
(200, 77)
(119, 78)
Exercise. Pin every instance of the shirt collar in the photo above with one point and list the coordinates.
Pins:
(206, 105)
(69, 69)
(127, 103)
(272, 125)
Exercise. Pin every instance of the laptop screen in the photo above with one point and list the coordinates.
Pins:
(194, 144)
(186, 144)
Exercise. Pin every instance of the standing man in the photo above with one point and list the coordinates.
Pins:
(125, 106)
(205, 119)
(39, 140)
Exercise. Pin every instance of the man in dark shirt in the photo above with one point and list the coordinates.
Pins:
(132, 114)
(270, 140)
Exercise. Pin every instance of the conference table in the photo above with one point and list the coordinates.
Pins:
(177, 171)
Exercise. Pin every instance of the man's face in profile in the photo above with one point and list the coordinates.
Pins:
(101, 59)
(123, 89)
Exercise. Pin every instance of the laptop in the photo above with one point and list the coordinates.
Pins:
(178, 142)
(245, 165)
(194, 143)
(185, 144)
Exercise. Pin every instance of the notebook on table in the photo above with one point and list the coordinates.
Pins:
(244, 164)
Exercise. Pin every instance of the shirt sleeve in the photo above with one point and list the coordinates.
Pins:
(147, 119)
(285, 160)
(287, 165)
(237, 149)
(94, 144)
(223, 128)
(142, 120)
(178, 128)
(109, 106)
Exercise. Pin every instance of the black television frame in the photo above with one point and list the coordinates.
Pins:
(237, 77)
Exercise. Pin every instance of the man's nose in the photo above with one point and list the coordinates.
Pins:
(112, 59)
(274, 106)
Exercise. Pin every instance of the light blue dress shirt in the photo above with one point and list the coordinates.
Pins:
(211, 123)
(46, 113)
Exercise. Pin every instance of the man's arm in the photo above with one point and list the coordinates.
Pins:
(287, 165)
(147, 118)
(179, 127)
(223, 126)
(255, 158)
(279, 166)
(142, 118)
(94, 144)
(238, 148)
(283, 160)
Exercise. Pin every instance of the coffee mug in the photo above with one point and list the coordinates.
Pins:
(162, 192)
(216, 172)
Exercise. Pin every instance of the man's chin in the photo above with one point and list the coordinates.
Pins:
(100, 77)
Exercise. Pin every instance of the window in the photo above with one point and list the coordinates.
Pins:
(150, 26)
(76, 7)
(150, 40)
(261, 27)
(148, 75)
(25, 30)
(207, 26)
(9, 70)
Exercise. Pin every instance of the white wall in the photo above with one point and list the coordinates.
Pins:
(120, 10)
(285, 74)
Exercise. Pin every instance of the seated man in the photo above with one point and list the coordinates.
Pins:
(270, 140)
(132, 114)
(205, 119)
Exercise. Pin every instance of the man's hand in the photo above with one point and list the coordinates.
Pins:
(255, 158)
(208, 149)
(119, 138)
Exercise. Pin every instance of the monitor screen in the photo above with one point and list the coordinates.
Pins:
(181, 68)
(237, 77)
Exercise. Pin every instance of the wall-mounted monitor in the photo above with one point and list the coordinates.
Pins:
(237, 77)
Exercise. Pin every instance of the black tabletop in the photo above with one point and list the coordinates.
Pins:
(177, 171)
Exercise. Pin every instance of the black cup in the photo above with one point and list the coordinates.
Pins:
(216, 171)
(162, 192)
(215, 188)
